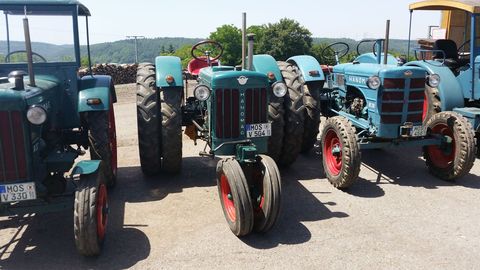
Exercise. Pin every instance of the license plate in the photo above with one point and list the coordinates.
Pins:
(418, 131)
(18, 192)
(258, 130)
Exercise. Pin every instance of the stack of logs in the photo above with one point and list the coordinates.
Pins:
(121, 74)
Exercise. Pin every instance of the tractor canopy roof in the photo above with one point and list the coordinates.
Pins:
(471, 6)
(44, 7)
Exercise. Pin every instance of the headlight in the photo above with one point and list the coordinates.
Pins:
(433, 80)
(279, 89)
(201, 92)
(374, 82)
(37, 115)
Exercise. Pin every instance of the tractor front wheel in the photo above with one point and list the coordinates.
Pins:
(455, 156)
(91, 213)
(340, 152)
(235, 196)
(267, 195)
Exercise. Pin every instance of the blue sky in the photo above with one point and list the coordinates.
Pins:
(113, 20)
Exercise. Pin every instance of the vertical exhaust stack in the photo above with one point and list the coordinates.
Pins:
(250, 38)
(28, 47)
(244, 38)
(387, 41)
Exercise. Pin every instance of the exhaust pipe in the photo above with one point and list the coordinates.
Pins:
(244, 38)
(28, 47)
(387, 41)
(250, 38)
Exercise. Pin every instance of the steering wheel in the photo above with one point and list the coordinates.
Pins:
(373, 46)
(339, 52)
(205, 48)
(463, 46)
(7, 57)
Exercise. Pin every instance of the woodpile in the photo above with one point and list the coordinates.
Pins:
(120, 73)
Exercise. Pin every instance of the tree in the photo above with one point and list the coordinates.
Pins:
(259, 31)
(230, 37)
(171, 49)
(184, 54)
(285, 39)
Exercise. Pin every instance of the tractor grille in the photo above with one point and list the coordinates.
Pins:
(228, 108)
(400, 105)
(13, 161)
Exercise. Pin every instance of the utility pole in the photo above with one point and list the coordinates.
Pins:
(136, 45)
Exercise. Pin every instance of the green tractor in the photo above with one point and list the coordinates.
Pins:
(229, 111)
(49, 117)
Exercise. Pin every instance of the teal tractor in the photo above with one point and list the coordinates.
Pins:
(373, 102)
(457, 64)
(228, 109)
(49, 117)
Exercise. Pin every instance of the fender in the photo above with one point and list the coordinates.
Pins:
(96, 86)
(309, 66)
(265, 64)
(86, 167)
(450, 90)
(168, 66)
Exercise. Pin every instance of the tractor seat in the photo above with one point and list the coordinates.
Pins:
(194, 66)
(452, 60)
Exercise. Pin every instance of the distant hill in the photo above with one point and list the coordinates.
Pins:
(123, 51)
(396, 45)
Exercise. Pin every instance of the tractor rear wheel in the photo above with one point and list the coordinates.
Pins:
(340, 152)
(276, 114)
(148, 119)
(103, 141)
(311, 99)
(431, 103)
(294, 114)
(91, 213)
(267, 198)
(171, 126)
(235, 196)
(455, 156)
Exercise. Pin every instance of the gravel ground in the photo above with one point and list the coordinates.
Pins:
(397, 216)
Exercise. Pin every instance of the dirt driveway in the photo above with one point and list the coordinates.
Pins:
(396, 216)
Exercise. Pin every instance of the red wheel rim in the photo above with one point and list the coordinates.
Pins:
(113, 139)
(260, 178)
(102, 211)
(442, 158)
(333, 160)
(227, 202)
(425, 106)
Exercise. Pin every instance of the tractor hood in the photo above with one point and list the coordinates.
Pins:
(17, 100)
(390, 71)
(222, 77)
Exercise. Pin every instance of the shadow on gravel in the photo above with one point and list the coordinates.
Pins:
(46, 241)
(298, 205)
(406, 167)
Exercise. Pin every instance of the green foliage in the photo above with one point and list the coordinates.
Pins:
(285, 39)
(259, 31)
(2, 58)
(230, 37)
(184, 54)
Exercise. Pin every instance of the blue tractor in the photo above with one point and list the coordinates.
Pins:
(457, 64)
(228, 109)
(374, 102)
(49, 117)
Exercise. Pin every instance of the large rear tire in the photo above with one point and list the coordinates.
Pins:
(294, 114)
(340, 152)
(311, 99)
(171, 101)
(235, 196)
(159, 120)
(148, 119)
(276, 114)
(103, 141)
(455, 156)
(91, 213)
